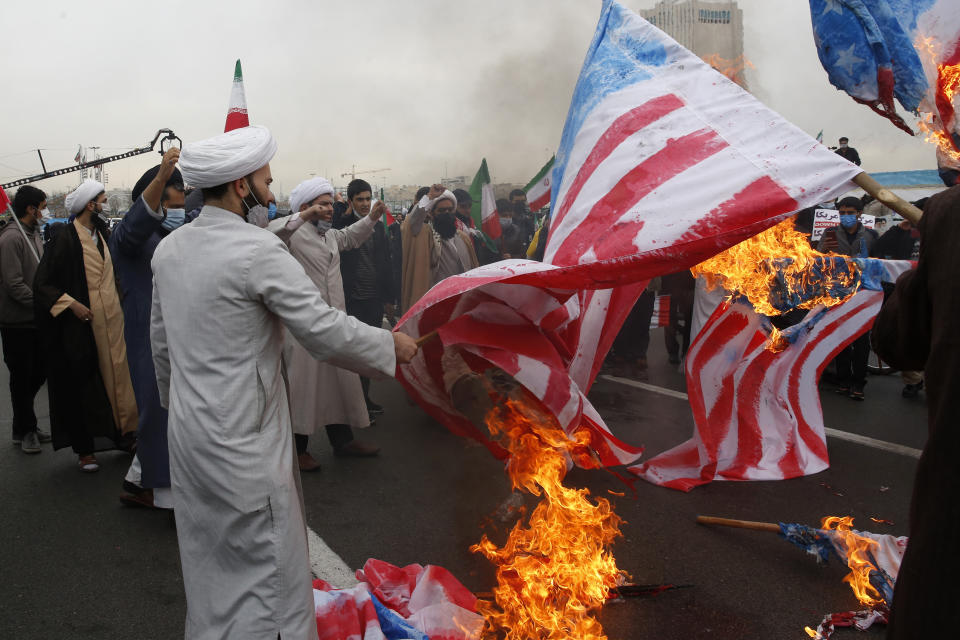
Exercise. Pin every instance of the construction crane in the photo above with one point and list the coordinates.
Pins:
(353, 173)
(167, 134)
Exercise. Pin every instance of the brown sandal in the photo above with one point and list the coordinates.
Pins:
(88, 464)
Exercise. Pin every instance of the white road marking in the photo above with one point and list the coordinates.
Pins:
(883, 445)
(873, 442)
(327, 565)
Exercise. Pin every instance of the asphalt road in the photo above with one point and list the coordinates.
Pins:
(76, 564)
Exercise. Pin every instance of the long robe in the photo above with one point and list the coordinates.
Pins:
(320, 393)
(420, 258)
(223, 291)
(916, 330)
(132, 244)
(88, 378)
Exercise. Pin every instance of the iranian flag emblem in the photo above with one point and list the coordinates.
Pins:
(237, 113)
(538, 191)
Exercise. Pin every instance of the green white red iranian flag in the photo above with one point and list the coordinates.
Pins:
(484, 208)
(538, 191)
(237, 112)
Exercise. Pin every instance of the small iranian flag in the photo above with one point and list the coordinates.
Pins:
(484, 209)
(538, 191)
(237, 113)
(388, 218)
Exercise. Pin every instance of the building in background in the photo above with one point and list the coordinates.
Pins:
(712, 30)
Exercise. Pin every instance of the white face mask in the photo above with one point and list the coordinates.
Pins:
(105, 207)
(258, 215)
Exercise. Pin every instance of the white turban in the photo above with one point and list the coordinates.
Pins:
(79, 197)
(226, 157)
(428, 204)
(307, 191)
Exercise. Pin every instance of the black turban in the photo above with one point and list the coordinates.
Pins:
(147, 178)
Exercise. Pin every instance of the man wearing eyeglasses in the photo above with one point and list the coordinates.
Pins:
(433, 247)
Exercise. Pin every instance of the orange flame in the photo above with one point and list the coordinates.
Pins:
(733, 69)
(556, 571)
(948, 86)
(744, 269)
(812, 633)
(856, 548)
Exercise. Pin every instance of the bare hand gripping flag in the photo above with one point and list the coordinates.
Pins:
(663, 162)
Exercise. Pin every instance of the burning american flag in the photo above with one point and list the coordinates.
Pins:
(663, 162)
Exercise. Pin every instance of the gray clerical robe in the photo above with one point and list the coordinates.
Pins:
(223, 292)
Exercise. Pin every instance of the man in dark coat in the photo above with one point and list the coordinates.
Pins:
(847, 152)
(916, 329)
(79, 316)
(158, 208)
(851, 238)
(368, 285)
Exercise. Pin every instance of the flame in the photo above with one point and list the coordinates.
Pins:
(733, 69)
(812, 633)
(858, 550)
(948, 86)
(556, 571)
(755, 269)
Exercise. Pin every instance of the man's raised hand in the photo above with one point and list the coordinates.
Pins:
(168, 164)
(436, 191)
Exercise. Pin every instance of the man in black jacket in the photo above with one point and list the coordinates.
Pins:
(368, 283)
(848, 152)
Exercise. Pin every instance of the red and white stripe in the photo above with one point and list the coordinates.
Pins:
(499, 316)
(661, 312)
(678, 167)
(757, 412)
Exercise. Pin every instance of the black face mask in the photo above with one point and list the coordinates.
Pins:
(445, 225)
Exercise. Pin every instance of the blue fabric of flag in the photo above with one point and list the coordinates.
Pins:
(868, 49)
(811, 540)
(615, 60)
(393, 626)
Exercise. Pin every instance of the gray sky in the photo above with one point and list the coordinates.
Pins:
(423, 87)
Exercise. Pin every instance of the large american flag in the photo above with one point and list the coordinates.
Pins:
(757, 411)
(663, 162)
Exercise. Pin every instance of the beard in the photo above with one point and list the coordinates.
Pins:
(445, 225)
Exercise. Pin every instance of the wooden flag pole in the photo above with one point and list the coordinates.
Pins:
(426, 338)
(739, 524)
(888, 198)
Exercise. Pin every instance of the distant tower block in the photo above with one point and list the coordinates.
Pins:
(712, 30)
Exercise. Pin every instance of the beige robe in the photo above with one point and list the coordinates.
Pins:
(107, 325)
(420, 258)
(320, 393)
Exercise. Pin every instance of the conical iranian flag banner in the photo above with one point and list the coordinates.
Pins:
(484, 208)
(538, 191)
(237, 112)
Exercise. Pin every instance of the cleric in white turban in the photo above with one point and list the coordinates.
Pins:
(225, 293)
(80, 197)
(309, 190)
(226, 157)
